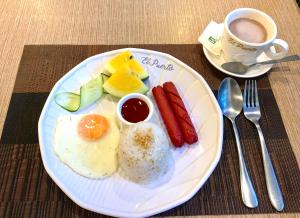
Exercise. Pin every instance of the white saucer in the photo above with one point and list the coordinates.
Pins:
(255, 71)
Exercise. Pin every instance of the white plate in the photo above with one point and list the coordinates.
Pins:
(255, 71)
(115, 195)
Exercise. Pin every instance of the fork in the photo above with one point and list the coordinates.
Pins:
(252, 112)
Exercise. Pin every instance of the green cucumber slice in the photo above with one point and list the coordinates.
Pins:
(68, 101)
(106, 73)
(104, 78)
(89, 93)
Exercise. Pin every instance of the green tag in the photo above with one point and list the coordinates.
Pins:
(212, 40)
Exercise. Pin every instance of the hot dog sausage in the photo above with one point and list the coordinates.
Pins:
(187, 128)
(168, 116)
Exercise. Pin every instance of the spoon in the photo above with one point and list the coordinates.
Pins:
(231, 101)
(239, 67)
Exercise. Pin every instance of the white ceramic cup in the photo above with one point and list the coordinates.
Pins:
(235, 49)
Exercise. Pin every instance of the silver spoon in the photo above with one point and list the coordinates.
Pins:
(231, 102)
(240, 68)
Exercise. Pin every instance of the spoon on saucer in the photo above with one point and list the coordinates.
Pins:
(231, 102)
(240, 68)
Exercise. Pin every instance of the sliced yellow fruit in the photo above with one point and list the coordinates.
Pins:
(123, 82)
(126, 58)
(115, 63)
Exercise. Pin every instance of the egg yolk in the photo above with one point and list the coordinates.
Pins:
(92, 126)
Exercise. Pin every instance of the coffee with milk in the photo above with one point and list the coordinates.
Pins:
(248, 30)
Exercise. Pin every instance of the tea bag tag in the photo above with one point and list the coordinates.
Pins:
(211, 37)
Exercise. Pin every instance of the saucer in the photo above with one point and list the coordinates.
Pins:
(254, 71)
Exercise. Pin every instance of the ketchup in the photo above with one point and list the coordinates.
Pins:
(134, 110)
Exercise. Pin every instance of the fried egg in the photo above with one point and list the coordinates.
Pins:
(88, 144)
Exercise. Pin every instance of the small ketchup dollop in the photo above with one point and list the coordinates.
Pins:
(135, 110)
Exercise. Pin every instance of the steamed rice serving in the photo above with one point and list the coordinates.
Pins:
(144, 152)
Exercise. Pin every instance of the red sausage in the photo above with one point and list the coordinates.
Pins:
(184, 120)
(168, 116)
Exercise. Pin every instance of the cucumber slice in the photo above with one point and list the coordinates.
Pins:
(68, 101)
(106, 73)
(89, 93)
(104, 78)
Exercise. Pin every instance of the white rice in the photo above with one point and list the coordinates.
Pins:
(144, 152)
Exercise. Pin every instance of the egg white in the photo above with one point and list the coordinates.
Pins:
(92, 159)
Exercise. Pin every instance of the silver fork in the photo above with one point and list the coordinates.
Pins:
(252, 112)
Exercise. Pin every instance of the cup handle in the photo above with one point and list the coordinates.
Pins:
(284, 47)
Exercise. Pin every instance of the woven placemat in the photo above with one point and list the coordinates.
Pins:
(27, 190)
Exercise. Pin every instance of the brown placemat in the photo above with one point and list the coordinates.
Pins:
(27, 190)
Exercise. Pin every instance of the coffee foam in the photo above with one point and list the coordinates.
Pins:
(248, 30)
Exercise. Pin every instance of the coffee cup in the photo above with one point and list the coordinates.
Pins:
(248, 33)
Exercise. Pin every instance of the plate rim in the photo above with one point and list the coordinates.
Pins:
(150, 212)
